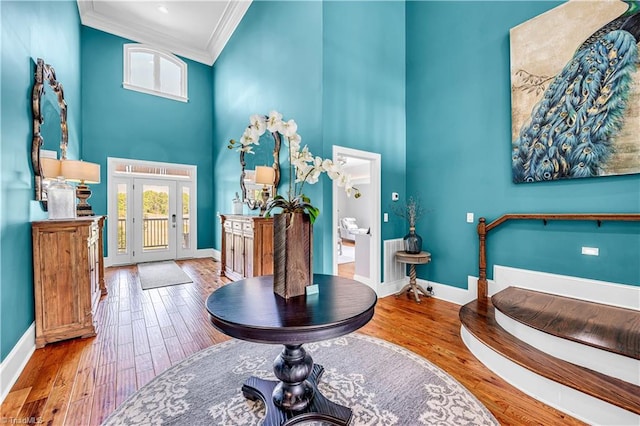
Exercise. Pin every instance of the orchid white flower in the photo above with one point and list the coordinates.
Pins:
(306, 154)
(332, 170)
(250, 137)
(342, 180)
(288, 128)
(259, 122)
(304, 167)
(274, 121)
(294, 143)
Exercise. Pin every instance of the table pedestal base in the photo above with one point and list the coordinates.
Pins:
(413, 285)
(319, 408)
(416, 289)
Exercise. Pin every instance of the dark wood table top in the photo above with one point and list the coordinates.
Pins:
(250, 310)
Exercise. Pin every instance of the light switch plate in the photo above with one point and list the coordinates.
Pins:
(591, 251)
(469, 217)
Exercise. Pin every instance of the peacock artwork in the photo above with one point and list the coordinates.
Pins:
(575, 88)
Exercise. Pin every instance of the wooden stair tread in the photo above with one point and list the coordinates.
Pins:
(604, 327)
(479, 319)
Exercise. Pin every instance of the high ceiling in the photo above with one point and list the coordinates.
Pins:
(196, 30)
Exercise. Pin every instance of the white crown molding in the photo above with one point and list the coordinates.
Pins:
(140, 33)
(232, 16)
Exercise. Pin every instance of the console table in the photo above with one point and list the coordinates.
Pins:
(250, 310)
(412, 260)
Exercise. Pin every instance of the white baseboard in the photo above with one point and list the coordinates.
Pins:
(216, 255)
(209, 252)
(459, 296)
(367, 281)
(580, 405)
(17, 359)
(389, 289)
(622, 295)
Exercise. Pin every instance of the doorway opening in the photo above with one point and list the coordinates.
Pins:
(152, 211)
(356, 222)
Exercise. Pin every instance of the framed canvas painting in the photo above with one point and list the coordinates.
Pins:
(575, 92)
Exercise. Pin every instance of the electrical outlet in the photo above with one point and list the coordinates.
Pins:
(386, 217)
(469, 217)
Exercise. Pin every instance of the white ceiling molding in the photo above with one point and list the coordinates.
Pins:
(197, 30)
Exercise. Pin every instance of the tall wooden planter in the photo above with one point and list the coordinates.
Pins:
(292, 254)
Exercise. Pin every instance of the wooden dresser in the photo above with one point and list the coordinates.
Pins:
(247, 246)
(68, 277)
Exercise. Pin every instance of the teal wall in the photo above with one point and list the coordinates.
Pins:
(127, 124)
(425, 84)
(273, 61)
(337, 68)
(364, 94)
(29, 30)
(459, 156)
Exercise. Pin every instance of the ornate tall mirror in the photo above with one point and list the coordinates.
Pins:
(49, 123)
(263, 156)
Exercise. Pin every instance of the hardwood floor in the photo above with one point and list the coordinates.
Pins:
(142, 333)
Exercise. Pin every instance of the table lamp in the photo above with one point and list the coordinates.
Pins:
(265, 176)
(50, 168)
(60, 195)
(83, 172)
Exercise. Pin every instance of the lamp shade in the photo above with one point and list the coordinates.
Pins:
(80, 171)
(50, 168)
(265, 175)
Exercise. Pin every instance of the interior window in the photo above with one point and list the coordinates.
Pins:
(154, 72)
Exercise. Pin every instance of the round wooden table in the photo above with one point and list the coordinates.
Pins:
(250, 310)
(412, 260)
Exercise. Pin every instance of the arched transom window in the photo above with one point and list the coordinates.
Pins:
(151, 71)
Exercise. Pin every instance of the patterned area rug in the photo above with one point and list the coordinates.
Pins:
(382, 383)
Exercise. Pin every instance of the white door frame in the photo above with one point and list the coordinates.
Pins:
(152, 170)
(376, 235)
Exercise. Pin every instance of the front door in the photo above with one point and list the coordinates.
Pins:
(155, 219)
(152, 211)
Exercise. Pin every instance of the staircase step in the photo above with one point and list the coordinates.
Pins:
(478, 318)
(605, 327)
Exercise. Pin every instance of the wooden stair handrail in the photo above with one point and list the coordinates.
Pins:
(484, 228)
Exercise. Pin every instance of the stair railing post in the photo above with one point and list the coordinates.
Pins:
(482, 261)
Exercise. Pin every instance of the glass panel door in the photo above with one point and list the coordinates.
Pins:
(155, 220)
(119, 224)
(185, 230)
(123, 216)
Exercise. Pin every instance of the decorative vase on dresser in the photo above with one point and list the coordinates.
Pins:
(68, 277)
(247, 246)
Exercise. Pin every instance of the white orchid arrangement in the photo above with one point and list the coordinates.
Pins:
(302, 163)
